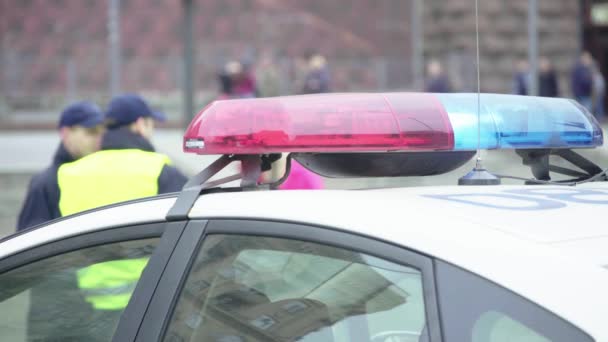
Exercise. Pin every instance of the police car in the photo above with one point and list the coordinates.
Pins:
(245, 263)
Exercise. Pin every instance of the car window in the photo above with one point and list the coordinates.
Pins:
(493, 326)
(76, 296)
(477, 310)
(244, 288)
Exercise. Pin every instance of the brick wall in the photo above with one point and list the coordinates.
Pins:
(367, 41)
(450, 36)
(38, 38)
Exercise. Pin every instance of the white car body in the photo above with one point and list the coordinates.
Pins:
(545, 243)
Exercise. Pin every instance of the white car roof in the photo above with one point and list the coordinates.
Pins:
(543, 254)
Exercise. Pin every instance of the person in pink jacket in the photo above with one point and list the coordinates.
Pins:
(301, 178)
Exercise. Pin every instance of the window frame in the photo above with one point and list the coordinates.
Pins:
(158, 318)
(165, 297)
(168, 234)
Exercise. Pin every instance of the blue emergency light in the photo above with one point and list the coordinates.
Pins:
(520, 122)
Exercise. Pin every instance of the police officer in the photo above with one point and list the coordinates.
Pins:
(81, 129)
(126, 168)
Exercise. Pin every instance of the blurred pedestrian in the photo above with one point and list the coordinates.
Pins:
(225, 82)
(242, 83)
(317, 77)
(599, 92)
(547, 79)
(297, 72)
(247, 85)
(301, 178)
(437, 81)
(80, 129)
(521, 79)
(582, 80)
(267, 77)
(127, 167)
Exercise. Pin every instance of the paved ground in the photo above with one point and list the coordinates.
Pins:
(30, 151)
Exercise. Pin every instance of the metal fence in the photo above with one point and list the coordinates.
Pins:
(29, 87)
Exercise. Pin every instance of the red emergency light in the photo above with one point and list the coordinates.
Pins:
(323, 123)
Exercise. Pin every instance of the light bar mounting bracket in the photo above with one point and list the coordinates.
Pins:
(538, 160)
(251, 168)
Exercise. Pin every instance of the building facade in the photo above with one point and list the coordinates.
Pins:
(60, 48)
(503, 39)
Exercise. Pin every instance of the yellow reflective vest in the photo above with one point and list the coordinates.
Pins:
(108, 177)
(103, 178)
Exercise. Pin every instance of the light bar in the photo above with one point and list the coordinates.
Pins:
(389, 122)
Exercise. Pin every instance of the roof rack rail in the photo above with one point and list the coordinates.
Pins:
(251, 168)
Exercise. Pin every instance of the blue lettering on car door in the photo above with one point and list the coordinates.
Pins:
(535, 198)
(565, 194)
(532, 203)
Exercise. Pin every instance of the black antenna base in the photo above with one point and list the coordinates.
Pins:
(479, 176)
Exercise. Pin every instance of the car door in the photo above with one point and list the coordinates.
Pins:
(248, 280)
(90, 287)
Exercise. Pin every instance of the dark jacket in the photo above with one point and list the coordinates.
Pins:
(520, 83)
(316, 81)
(582, 81)
(547, 84)
(42, 200)
(438, 84)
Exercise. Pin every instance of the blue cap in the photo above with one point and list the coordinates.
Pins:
(126, 109)
(84, 113)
